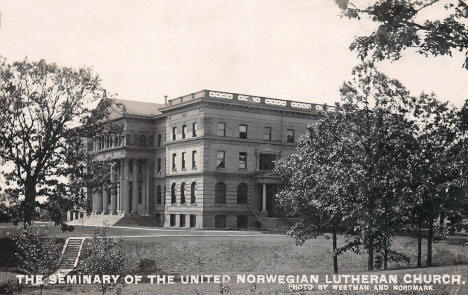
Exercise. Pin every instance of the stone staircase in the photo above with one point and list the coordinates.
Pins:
(71, 254)
(96, 220)
(276, 224)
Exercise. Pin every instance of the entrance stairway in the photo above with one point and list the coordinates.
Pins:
(96, 220)
(70, 254)
(276, 224)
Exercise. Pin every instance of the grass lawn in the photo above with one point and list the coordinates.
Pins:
(212, 252)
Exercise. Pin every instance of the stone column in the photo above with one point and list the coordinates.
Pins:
(98, 201)
(105, 200)
(264, 210)
(114, 189)
(124, 190)
(135, 186)
(147, 187)
(69, 216)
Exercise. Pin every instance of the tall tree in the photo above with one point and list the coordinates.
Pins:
(403, 24)
(318, 183)
(348, 167)
(46, 111)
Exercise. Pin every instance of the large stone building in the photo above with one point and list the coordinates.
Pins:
(203, 160)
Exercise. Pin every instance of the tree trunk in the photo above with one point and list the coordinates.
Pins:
(28, 205)
(335, 254)
(430, 230)
(419, 243)
(370, 232)
(385, 254)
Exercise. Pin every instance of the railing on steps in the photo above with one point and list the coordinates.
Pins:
(259, 218)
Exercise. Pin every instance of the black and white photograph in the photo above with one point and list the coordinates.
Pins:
(234, 147)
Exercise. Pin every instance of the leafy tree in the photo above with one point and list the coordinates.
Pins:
(436, 157)
(318, 183)
(348, 168)
(36, 255)
(104, 255)
(403, 24)
(47, 110)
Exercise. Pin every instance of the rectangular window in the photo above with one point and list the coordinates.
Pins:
(243, 160)
(266, 161)
(174, 162)
(182, 220)
(159, 140)
(242, 221)
(220, 221)
(193, 220)
(243, 131)
(183, 161)
(194, 159)
(220, 159)
(267, 133)
(184, 131)
(194, 129)
(159, 166)
(172, 219)
(174, 133)
(289, 135)
(221, 129)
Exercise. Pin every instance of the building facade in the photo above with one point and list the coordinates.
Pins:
(204, 160)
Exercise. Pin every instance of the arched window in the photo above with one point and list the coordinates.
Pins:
(158, 195)
(143, 140)
(242, 190)
(182, 193)
(193, 188)
(220, 193)
(173, 196)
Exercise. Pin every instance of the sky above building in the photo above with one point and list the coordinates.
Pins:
(143, 50)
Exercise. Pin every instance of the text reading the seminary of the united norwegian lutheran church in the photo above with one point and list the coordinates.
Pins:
(419, 282)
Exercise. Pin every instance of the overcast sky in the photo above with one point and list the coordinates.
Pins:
(144, 50)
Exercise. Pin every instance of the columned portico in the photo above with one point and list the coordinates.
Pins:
(266, 187)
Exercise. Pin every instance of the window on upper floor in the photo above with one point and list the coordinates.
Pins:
(220, 193)
(243, 131)
(173, 193)
(184, 131)
(182, 193)
(142, 140)
(242, 190)
(220, 159)
(158, 195)
(159, 140)
(174, 133)
(183, 160)
(242, 160)
(194, 159)
(290, 135)
(194, 129)
(193, 189)
(159, 166)
(266, 161)
(151, 141)
(267, 133)
(174, 158)
(221, 129)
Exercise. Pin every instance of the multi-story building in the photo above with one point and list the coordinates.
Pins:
(204, 160)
